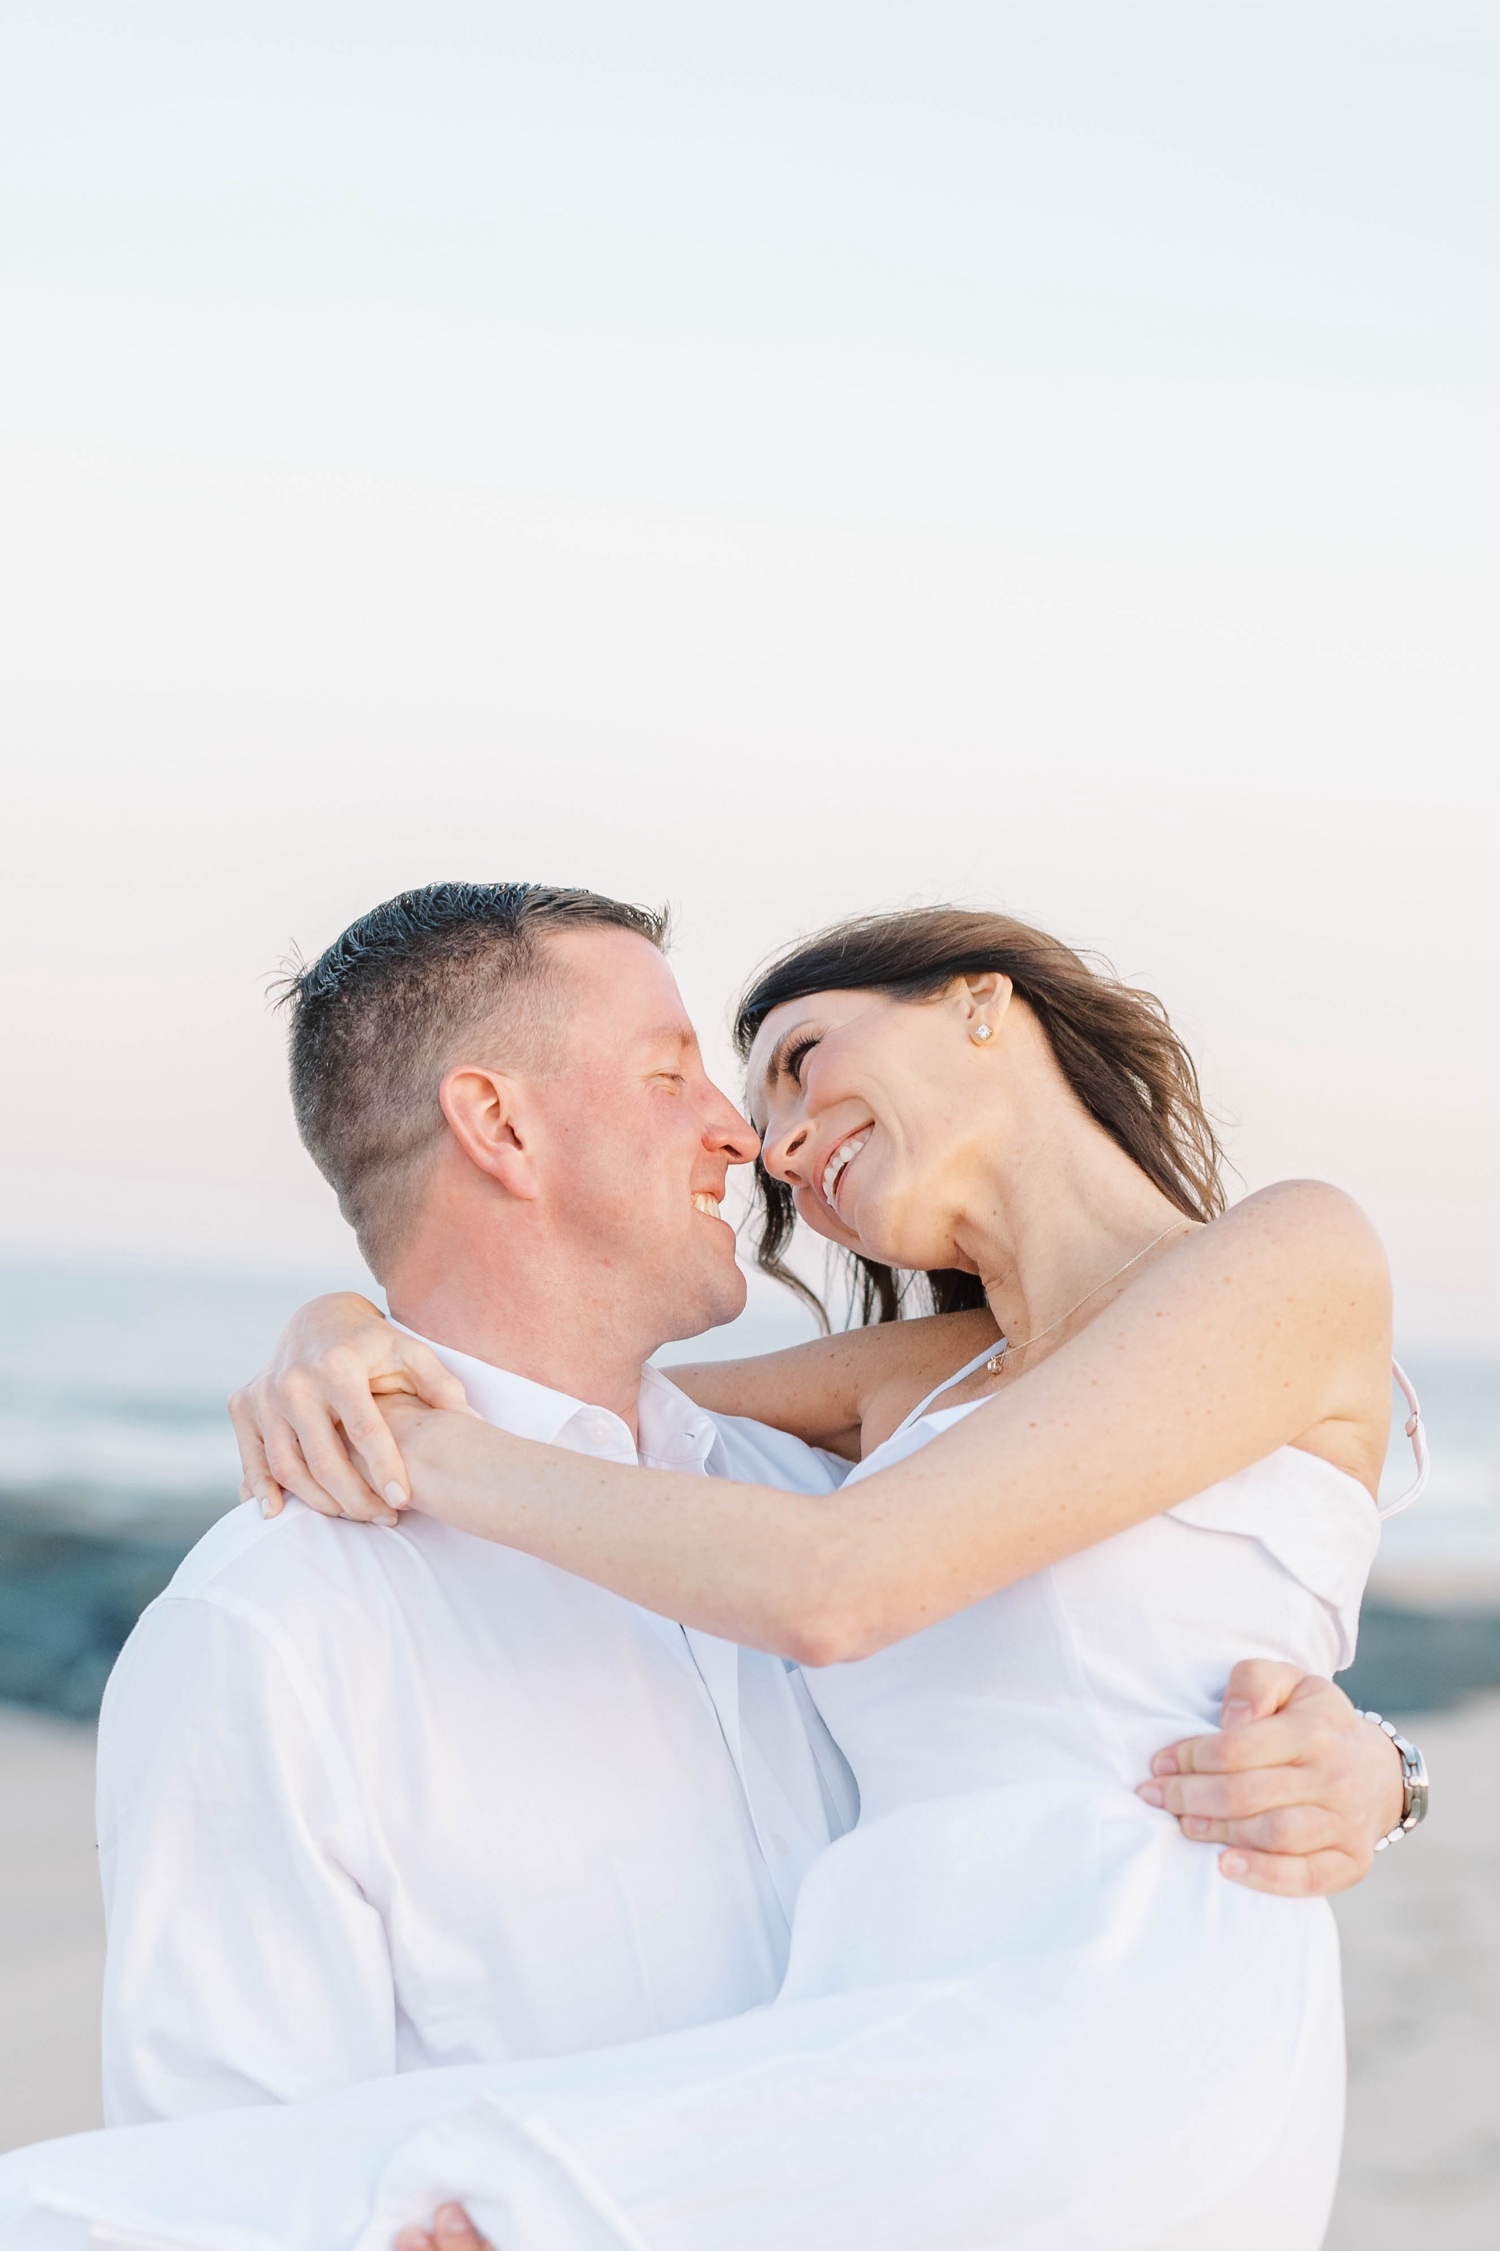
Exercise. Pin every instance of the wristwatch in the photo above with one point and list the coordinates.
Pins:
(1413, 1782)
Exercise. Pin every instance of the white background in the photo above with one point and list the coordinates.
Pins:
(782, 460)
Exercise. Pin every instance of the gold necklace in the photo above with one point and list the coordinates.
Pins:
(992, 1365)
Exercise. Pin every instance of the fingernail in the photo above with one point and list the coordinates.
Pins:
(1233, 1863)
(397, 1495)
(411, 2239)
(1150, 1792)
(1235, 1712)
(1194, 1825)
(450, 2220)
(1165, 1762)
(267, 1507)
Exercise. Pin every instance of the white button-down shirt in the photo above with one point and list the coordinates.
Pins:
(371, 1800)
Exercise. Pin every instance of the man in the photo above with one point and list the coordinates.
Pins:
(373, 1799)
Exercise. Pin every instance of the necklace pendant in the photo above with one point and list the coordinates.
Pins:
(992, 1365)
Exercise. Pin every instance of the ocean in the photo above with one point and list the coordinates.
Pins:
(116, 1454)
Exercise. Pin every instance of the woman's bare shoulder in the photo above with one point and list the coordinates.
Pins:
(1318, 1235)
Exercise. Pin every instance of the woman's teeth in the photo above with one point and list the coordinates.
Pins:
(708, 1205)
(843, 1155)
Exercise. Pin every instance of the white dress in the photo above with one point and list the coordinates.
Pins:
(1022, 2010)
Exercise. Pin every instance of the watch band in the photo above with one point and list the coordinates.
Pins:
(1413, 1782)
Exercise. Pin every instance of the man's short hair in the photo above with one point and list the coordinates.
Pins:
(454, 973)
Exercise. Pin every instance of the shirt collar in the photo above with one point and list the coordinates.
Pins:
(675, 1434)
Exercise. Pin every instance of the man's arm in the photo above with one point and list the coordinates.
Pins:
(1296, 1784)
(244, 1964)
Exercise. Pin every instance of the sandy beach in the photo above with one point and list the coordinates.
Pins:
(1421, 1950)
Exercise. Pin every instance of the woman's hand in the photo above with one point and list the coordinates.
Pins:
(301, 1421)
(1296, 1784)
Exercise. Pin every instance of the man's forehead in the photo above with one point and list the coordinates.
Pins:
(621, 978)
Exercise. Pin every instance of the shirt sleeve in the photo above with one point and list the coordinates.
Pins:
(244, 1962)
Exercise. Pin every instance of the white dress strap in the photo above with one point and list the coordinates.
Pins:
(1416, 1429)
(1417, 1433)
(947, 1384)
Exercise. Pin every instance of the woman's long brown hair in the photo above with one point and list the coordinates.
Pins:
(1113, 1043)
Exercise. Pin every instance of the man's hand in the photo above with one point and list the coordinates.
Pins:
(299, 1423)
(452, 2230)
(1295, 1783)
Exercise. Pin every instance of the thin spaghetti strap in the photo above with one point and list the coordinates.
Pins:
(1416, 1432)
(947, 1384)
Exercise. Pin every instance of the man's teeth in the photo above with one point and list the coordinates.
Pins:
(709, 1205)
(844, 1154)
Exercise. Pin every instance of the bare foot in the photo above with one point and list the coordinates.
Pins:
(452, 2230)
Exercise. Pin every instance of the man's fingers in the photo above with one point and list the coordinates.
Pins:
(1290, 1875)
(455, 2231)
(1227, 1797)
(1257, 1687)
(1300, 1829)
(1239, 1750)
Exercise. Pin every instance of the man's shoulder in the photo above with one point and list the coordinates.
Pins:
(297, 1561)
(757, 1454)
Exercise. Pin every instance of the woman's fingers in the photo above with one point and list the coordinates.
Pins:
(292, 1470)
(319, 1414)
(256, 1481)
(411, 1359)
(310, 1424)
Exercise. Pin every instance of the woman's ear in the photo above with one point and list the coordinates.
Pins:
(984, 999)
(485, 1115)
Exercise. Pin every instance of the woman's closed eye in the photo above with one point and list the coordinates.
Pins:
(791, 1061)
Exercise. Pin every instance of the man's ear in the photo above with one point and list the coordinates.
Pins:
(487, 1116)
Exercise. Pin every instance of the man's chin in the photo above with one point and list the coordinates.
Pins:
(719, 1299)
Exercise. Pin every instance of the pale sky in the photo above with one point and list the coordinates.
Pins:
(783, 461)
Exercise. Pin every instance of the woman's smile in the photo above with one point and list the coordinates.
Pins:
(842, 1157)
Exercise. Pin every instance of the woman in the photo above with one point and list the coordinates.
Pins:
(1020, 2009)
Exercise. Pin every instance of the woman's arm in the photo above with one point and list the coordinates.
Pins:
(298, 1421)
(1268, 1328)
(834, 1390)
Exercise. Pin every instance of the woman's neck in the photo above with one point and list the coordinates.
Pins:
(1053, 1227)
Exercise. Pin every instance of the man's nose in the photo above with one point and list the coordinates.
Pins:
(729, 1129)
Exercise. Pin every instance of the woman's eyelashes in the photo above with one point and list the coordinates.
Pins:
(791, 1062)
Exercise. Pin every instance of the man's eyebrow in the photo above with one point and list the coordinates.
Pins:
(663, 1035)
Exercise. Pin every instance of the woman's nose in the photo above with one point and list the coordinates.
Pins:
(779, 1151)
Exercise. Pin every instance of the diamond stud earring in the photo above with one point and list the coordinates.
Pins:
(980, 1034)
